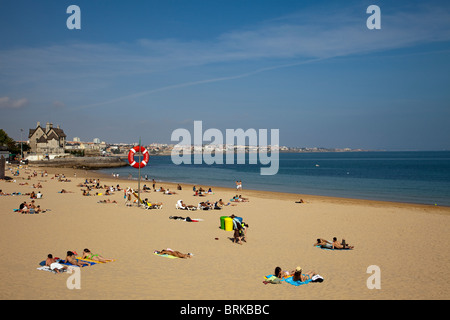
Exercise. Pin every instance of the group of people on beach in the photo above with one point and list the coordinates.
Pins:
(30, 207)
(240, 229)
(59, 265)
(297, 275)
(335, 244)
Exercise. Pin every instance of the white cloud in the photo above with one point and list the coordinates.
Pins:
(8, 103)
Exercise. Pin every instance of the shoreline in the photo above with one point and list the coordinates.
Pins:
(93, 173)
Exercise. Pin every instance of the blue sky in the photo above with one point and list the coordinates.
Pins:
(311, 69)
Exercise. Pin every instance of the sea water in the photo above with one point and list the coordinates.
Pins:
(412, 177)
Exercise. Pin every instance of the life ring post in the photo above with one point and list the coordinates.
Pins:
(142, 152)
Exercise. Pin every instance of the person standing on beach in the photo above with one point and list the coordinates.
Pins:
(237, 227)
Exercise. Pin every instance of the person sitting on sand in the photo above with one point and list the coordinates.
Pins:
(278, 275)
(70, 258)
(23, 208)
(299, 276)
(343, 245)
(87, 254)
(54, 264)
(221, 203)
(174, 253)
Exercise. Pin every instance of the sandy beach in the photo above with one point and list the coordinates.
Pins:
(409, 243)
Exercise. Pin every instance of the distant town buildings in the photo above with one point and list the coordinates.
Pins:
(52, 142)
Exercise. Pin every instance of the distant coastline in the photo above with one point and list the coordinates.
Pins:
(89, 163)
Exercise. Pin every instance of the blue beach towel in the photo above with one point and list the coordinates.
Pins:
(323, 248)
(42, 263)
(290, 281)
(296, 283)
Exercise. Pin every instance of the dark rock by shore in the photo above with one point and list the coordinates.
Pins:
(83, 162)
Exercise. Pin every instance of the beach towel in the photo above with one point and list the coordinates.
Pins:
(296, 283)
(292, 282)
(47, 268)
(42, 263)
(165, 255)
(324, 248)
(93, 261)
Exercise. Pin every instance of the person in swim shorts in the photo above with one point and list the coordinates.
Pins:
(54, 265)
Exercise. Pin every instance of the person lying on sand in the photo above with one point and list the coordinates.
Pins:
(243, 199)
(323, 243)
(278, 275)
(174, 253)
(152, 205)
(70, 258)
(342, 245)
(169, 192)
(107, 201)
(87, 254)
(54, 264)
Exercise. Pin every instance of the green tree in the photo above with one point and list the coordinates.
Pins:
(9, 142)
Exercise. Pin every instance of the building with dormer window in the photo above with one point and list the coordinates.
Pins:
(47, 140)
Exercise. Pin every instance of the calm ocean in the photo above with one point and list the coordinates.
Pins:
(413, 177)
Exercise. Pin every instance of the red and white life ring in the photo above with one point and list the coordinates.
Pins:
(144, 161)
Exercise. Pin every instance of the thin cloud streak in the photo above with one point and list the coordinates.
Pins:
(334, 34)
(194, 83)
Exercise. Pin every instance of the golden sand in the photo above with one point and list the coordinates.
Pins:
(409, 243)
